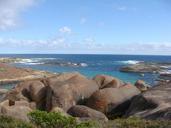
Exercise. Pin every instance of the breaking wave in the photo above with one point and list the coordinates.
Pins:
(130, 62)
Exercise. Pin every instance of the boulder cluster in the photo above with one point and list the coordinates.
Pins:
(101, 98)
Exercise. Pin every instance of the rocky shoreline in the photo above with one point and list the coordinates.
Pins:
(41, 61)
(101, 98)
(10, 74)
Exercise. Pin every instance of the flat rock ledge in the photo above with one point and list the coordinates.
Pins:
(144, 67)
(10, 74)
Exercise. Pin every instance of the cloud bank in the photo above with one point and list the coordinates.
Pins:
(10, 11)
(86, 46)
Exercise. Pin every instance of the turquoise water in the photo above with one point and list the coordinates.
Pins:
(93, 64)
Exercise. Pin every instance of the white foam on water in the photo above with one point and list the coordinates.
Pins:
(130, 62)
(34, 61)
(83, 64)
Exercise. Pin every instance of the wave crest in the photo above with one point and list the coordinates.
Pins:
(130, 62)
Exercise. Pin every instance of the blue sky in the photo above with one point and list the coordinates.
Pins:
(86, 26)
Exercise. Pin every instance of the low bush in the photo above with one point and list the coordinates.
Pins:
(2, 69)
(44, 119)
(8, 122)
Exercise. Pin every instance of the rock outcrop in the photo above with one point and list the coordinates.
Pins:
(66, 94)
(18, 111)
(144, 67)
(86, 98)
(141, 85)
(152, 104)
(31, 91)
(105, 81)
(86, 112)
(113, 101)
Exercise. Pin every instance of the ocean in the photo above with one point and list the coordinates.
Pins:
(90, 65)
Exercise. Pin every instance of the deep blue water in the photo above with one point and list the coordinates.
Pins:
(97, 64)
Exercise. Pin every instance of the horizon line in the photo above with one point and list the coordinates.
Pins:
(83, 54)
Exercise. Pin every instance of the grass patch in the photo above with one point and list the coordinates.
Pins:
(8, 122)
(2, 69)
(42, 119)
(134, 122)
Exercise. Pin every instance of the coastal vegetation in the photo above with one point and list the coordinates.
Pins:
(42, 119)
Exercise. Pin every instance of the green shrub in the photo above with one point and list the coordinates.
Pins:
(8, 122)
(51, 120)
(43, 119)
(2, 69)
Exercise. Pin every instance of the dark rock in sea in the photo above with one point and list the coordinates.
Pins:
(86, 112)
(67, 64)
(144, 67)
(105, 81)
(113, 101)
(152, 104)
(165, 76)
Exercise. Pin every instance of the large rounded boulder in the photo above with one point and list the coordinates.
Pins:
(86, 112)
(141, 85)
(105, 81)
(60, 77)
(113, 101)
(31, 91)
(155, 103)
(19, 110)
(65, 94)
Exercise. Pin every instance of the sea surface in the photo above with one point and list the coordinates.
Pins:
(90, 65)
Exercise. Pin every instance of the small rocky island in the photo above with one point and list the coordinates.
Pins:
(146, 67)
(162, 69)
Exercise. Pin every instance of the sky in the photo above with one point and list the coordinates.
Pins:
(85, 26)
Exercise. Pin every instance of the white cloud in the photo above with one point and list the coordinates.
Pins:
(87, 45)
(10, 11)
(65, 29)
(122, 8)
(83, 20)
